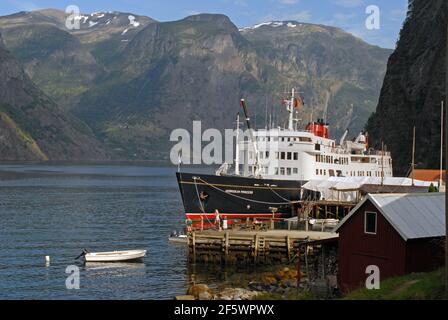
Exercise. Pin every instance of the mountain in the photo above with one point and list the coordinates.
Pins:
(340, 75)
(136, 81)
(32, 127)
(66, 63)
(413, 88)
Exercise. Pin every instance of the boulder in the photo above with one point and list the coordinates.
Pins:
(197, 289)
(205, 295)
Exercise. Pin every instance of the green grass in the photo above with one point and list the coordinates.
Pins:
(24, 136)
(416, 286)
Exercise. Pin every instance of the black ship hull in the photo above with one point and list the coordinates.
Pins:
(236, 197)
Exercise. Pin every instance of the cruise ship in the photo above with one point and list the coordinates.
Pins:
(272, 164)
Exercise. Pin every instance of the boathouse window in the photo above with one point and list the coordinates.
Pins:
(282, 171)
(288, 171)
(267, 154)
(296, 156)
(282, 155)
(276, 171)
(370, 222)
(295, 171)
(317, 146)
(289, 156)
(317, 172)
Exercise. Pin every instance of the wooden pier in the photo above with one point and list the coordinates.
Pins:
(252, 247)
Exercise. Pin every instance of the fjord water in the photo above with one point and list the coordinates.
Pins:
(58, 210)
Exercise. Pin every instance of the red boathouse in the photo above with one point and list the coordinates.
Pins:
(399, 233)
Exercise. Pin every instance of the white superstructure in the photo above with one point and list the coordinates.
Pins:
(289, 154)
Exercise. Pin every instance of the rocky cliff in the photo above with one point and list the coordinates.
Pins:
(413, 88)
(32, 127)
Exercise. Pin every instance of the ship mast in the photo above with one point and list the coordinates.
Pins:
(413, 157)
(291, 111)
(382, 163)
(251, 135)
(237, 146)
(441, 148)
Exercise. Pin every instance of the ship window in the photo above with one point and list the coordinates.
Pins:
(331, 172)
(282, 171)
(288, 171)
(317, 146)
(289, 156)
(295, 171)
(282, 155)
(267, 155)
(370, 222)
(283, 139)
(317, 158)
(296, 156)
(276, 171)
(321, 172)
(317, 171)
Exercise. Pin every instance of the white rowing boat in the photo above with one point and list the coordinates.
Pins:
(178, 239)
(113, 256)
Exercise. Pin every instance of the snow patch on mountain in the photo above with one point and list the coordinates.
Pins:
(273, 24)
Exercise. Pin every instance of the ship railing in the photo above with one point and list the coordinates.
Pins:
(378, 153)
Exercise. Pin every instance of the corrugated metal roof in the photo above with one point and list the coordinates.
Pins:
(412, 215)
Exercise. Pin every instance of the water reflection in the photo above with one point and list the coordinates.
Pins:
(114, 265)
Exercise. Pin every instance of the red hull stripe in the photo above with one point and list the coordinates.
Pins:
(195, 216)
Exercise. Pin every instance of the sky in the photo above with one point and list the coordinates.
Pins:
(349, 15)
